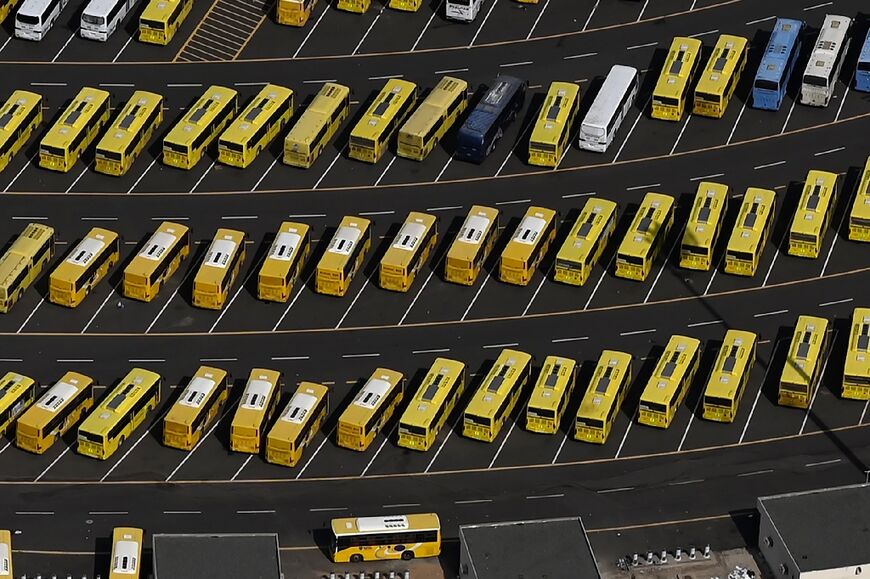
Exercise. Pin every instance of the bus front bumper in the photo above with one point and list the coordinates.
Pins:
(94, 35)
(585, 434)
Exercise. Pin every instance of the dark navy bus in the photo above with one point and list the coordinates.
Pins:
(487, 122)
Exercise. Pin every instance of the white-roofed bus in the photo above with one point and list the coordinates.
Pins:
(284, 263)
(297, 424)
(392, 537)
(219, 269)
(126, 562)
(157, 261)
(523, 253)
(472, 245)
(56, 411)
(85, 266)
(259, 402)
(371, 409)
(344, 257)
(409, 251)
(197, 408)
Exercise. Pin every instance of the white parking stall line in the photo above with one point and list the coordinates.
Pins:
(637, 332)
(845, 94)
(17, 175)
(123, 48)
(350, 307)
(680, 136)
(661, 269)
(837, 302)
(171, 296)
(833, 243)
(513, 64)
(758, 394)
(263, 176)
(500, 346)
(387, 168)
(559, 450)
(625, 436)
(201, 440)
(372, 25)
(860, 420)
(256, 511)
(241, 468)
(563, 340)
(773, 261)
(737, 122)
(647, 45)
(313, 28)
(647, 186)
(501, 446)
(772, 313)
(319, 81)
(760, 20)
(36, 513)
(96, 313)
(790, 111)
(337, 155)
(829, 151)
(814, 6)
(366, 355)
(710, 323)
(472, 502)
(706, 177)
(443, 442)
(482, 24)
(474, 299)
(689, 425)
(315, 453)
(73, 184)
(401, 506)
(819, 387)
(420, 291)
(62, 48)
(614, 490)
(299, 292)
(380, 448)
(157, 422)
(756, 472)
(589, 18)
(538, 19)
(242, 285)
(450, 70)
(823, 462)
(444, 168)
(108, 513)
(5, 43)
(699, 34)
(425, 28)
(642, 10)
(521, 140)
(54, 462)
(198, 181)
(27, 319)
(534, 295)
(600, 279)
(145, 172)
(8, 444)
(631, 130)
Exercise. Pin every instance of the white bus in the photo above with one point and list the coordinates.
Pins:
(36, 17)
(609, 109)
(102, 17)
(462, 10)
(826, 60)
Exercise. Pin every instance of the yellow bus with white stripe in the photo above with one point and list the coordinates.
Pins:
(552, 130)
(727, 382)
(197, 408)
(408, 253)
(586, 241)
(17, 393)
(805, 362)
(75, 130)
(56, 411)
(646, 237)
(434, 401)
(157, 261)
(316, 126)
(185, 143)
(371, 135)
(427, 125)
(859, 216)
(813, 215)
(259, 401)
(129, 134)
(550, 395)
(856, 372)
(671, 93)
(84, 267)
(472, 245)
(530, 242)
(19, 117)
(670, 381)
(126, 561)
(750, 233)
(720, 76)
(119, 414)
(256, 126)
(497, 395)
(284, 263)
(161, 19)
(393, 537)
(298, 423)
(371, 409)
(704, 226)
(604, 397)
(219, 269)
(24, 262)
(344, 257)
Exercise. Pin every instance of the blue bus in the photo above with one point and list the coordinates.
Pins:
(486, 124)
(862, 73)
(777, 64)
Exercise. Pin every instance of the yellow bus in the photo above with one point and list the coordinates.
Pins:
(433, 118)
(604, 397)
(259, 400)
(859, 216)
(84, 267)
(119, 414)
(256, 126)
(749, 236)
(406, 5)
(126, 553)
(157, 261)
(437, 396)
(528, 246)
(17, 392)
(670, 381)
(813, 214)
(497, 395)
(472, 245)
(129, 134)
(294, 12)
(344, 257)
(197, 408)
(727, 381)
(646, 237)
(393, 537)
(23, 262)
(551, 394)
(298, 423)
(803, 366)
(6, 554)
(586, 241)
(371, 135)
(408, 253)
(358, 6)
(371, 409)
(856, 372)
(316, 126)
(218, 271)
(720, 76)
(56, 411)
(704, 226)
(184, 145)
(161, 19)
(284, 263)
(76, 129)
(19, 117)
(6, 8)
(553, 127)
(672, 87)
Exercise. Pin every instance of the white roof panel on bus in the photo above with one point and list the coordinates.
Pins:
(300, 406)
(157, 245)
(256, 393)
(284, 246)
(196, 392)
(618, 81)
(409, 236)
(85, 251)
(126, 559)
(219, 253)
(529, 230)
(372, 392)
(473, 229)
(344, 240)
(380, 524)
(57, 396)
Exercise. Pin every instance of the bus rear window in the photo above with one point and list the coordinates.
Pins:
(95, 20)
(717, 401)
(27, 19)
(762, 84)
(696, 249)
(864, 66)
(632, 259)
(814, 80)
(49, 150)
(706, 96)
(153, 24)
(666, 101)
(740, 255)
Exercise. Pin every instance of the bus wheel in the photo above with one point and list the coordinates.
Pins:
(356, 558)
(407, 555)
